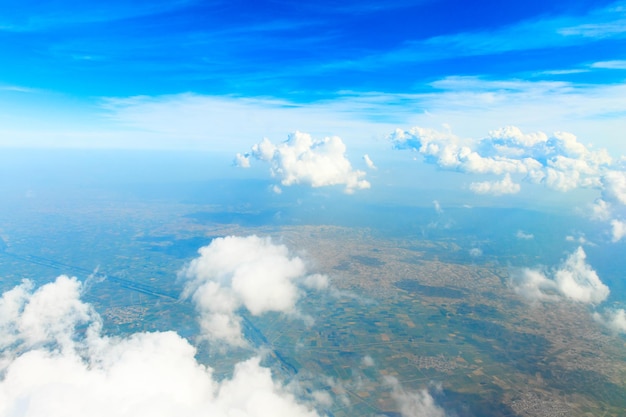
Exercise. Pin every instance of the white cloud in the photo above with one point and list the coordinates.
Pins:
(414, 404)
(141, 374)
(534, 285)
(193, 121)
(525, 236)
(617, 64)
(367, 361)
(577, 281)
(437, 206)
(580, 239)
(47, 316)
(369, 162)
(242, 161)
(614, 186)
(475, 252)
(558, 161)
(303, 160)
(618, 230)
(615, 319)
(252, 272)
(574, 280)
(600, 210)
(504, 186)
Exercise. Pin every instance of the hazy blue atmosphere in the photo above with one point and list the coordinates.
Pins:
(402, 208)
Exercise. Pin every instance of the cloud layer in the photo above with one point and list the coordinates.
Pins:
(55, 362)
(250, 272)
(304, 160)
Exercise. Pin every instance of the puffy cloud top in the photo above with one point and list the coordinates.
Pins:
(574, 280)
(558, 161)
(47, 317)
(304, 160)
(143, 374)
(251, 272)
(615, 320)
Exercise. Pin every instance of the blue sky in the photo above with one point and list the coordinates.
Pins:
(221, 76)
(298, 51)
(63, 60)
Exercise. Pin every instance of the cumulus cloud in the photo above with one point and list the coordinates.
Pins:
(600, 210)
(242, 161)
(46, 317)
(614, 186)
(504, 186)
(523, 235)
(414, 404)
(534, 285)
(615, 319)
(369, 162)
(51, 366)
(304, 160)
(618, 230)
(250, 272)
(574, 280)
(559, 161)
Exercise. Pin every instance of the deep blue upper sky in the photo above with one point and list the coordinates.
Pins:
(224, 74)
(296, 50)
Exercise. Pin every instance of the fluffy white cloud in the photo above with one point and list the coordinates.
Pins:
(155, 374)
(46, 317)
(250, 272)
(600, 210)
(534, 285)
(558, 161)
(577, 281)
(242, 161)
(504, 186)
(618, 229)
(574, 280)
(615, 320)
(614, 186)
(304, 160)
(414, 404)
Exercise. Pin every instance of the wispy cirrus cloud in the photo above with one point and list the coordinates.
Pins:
(616, 64)
(535, 33)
